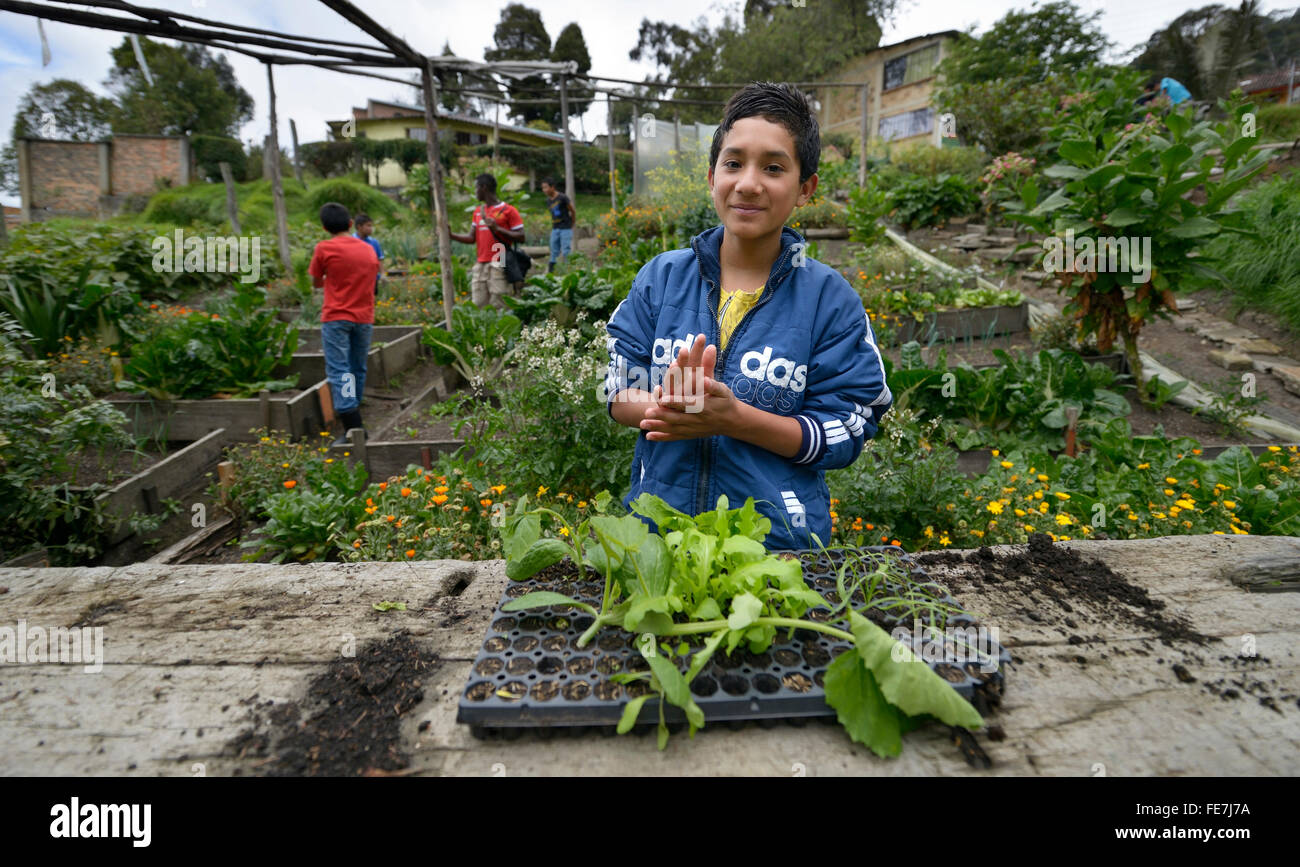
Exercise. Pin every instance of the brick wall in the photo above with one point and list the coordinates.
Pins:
(62, 178)
(139, 161)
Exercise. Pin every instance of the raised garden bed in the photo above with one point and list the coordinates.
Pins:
(393, 348)
(965, 324)
(529, 672)
(297, 411)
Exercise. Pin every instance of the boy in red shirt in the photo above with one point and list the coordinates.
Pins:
(495, 226)
(347, 268)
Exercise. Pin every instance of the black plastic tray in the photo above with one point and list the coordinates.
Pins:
(529, 673)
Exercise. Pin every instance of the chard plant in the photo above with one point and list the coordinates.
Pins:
(711, 577)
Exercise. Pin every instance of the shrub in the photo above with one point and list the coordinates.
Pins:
(922, 158)
(357, 198)
(1278, 122)
(1263, 269)
(210, 151)
(921, 201)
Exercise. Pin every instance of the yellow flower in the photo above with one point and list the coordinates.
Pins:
(1238, 532)
(944, 540)
(1171, 480)
(1042, 477)
(1275, 448)
(564, 531)
(1042, 507)
(1020, 513)
(1062, 495)
(1038, 495)
(498, 489)
(1169, 492)
(1185, 504)
(541, 489)
(1132, 517)
(1144, 466)
(1229, 504)
(1064, 520)
(929, 532)
(1006, 465)
(996, 453)
(995, 508)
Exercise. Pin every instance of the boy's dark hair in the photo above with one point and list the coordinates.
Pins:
(549, 180)
(334, 217)
(361, 219)
(1152, 82)
(779, 103)
(488, 181)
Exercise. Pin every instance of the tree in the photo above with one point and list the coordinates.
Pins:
(520, 35)
(1054, 39)
(1210, 49)
(570, 46)
(194, 91)
(771, 41)
(73, 112)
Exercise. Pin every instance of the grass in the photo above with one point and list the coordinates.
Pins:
(1264, 274)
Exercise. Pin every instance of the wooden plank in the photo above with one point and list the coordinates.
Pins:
(188, 648)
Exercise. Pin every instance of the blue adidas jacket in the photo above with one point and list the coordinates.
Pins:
(805, 349)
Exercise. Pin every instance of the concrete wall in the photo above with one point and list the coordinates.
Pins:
(91, 179)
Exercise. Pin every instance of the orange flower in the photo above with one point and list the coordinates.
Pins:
(406, 492)
(370, 501)
(485, 502)
(290, 484)
(390, 518)
(410, 552)
(383, 486)
(440, 499)
(464, 508)
(441, 489)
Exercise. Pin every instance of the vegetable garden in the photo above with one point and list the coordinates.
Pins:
(1013, 424)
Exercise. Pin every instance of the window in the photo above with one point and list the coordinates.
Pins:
(911, 68)
(907, 124)
(470, 138)
(418, 133)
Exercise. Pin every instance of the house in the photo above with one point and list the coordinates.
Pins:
(388, 120)
(1272, 87)
(900, 81)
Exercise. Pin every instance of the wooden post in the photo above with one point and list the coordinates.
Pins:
(225, 478)
(297, 163)
(862, 134)
(4, 229)
(677, 136)
(496, 131)
(436, 190)
(568, 140)
(613, 196)
(277, 184)
(232, 206)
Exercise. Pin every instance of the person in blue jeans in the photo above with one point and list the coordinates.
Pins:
(562, 217)
(346, 267)
(365, 230)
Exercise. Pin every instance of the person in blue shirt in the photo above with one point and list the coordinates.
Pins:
(748, 367)
(365, 229)
(562, 217)
(1157, 87)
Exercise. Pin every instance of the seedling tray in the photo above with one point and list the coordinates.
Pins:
(530, 673)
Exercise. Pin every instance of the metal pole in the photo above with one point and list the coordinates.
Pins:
(496, 131)
(634, 138)
(1290, 85)
(568, 140)
(436, 189)
(609, 125)
(862, 134)
(277, 183)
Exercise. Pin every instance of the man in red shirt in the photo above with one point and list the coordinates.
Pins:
(347, 268)
(494, 227)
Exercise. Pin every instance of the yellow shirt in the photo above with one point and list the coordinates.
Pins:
(733, 304)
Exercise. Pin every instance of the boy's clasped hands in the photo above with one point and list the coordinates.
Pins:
(691, 403)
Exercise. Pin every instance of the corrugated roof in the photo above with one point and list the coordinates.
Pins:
(1267, 80)
(465, 118)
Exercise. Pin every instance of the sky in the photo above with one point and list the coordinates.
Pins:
(312, 96)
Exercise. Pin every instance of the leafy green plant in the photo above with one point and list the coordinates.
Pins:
(867, 206)
(235, 350)
(301, 524)
(478, 344)
(920, 201)
(1133, 180)
(1229, 408)
(710, 577)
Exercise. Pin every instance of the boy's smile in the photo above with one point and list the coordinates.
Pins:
(755, 183)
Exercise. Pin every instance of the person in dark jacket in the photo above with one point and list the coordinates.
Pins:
(749, 368)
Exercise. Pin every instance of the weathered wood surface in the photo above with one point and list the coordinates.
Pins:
(185, 645)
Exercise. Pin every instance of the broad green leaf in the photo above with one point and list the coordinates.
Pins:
(1121, 217)
(1172, 159)
(1195, 227)
(626, 532)
(865, 714)
(664, 515)
(1102, 175)
(631, 711)
(544, 599)
(654, 561)
(519, 532)
(743, 545)
(641, 605)
(1066, 171)
(540, 554)
(670, 679)
(909, 685)
(1055, 201)
(745, 609)
(1079, 151)
(654, 622)
(707, 610)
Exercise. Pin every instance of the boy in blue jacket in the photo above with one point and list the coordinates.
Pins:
(749, 368)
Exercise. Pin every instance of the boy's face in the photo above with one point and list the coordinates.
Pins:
(755, 183)
(365, 229)
(548, 191)
(481, 192)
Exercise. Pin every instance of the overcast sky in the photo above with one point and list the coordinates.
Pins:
(312, 96)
